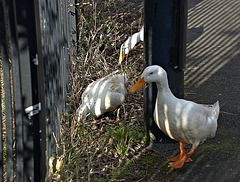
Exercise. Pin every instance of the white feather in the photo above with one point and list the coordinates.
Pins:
(103, 95)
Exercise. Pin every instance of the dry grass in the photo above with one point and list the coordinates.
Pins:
(101, 149)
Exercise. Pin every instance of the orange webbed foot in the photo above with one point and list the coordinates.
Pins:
(179, 163)
(176, 165)
(178, 157)
(181, 159)
(182, 153)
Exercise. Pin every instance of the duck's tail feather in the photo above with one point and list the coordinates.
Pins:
(214, 118)
(215, 112)
(216, 109)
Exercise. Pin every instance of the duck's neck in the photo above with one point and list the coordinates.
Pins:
(163, 89)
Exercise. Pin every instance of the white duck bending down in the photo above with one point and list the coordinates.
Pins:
(130, 43)
(103, 95)
(184, 121)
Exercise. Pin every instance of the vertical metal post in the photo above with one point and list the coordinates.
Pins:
(41, 85)
(165, 45)
(18, 114)
(7, 92)
(26, 33)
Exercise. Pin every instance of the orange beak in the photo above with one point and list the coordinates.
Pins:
(140, 83)
(120, 59)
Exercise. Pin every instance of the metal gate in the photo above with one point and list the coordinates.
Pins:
(36, 44)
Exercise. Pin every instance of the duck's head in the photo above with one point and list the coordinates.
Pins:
(152, 73)
(82, 111)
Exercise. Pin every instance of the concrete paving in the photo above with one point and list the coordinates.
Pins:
(213, 73)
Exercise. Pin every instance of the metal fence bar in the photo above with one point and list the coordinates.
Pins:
(2, 31)
(41, 85)
(1, 145)
(1, 131)
(28, 75)
(7, 96)
(8, 116)
(18, 114)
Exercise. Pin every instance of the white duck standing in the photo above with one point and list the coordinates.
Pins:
(184, 121)
(130, 43)
(103, 95)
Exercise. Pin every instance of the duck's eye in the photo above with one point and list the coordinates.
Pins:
(150, 73)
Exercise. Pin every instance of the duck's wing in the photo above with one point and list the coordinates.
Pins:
(193, 116)
(94, 87)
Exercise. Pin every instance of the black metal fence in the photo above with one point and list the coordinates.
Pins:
(36, 44)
